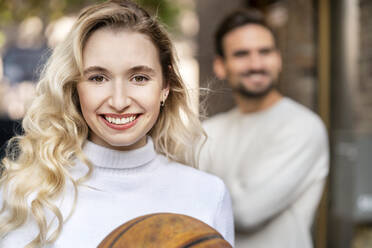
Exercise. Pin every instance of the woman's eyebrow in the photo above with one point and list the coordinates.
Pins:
(95, 69)
(141, 68)
(135, 69)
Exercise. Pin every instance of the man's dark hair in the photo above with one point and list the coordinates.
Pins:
(237, 19)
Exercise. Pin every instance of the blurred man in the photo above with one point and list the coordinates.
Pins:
(271, 151)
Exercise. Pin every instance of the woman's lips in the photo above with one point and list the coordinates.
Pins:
(120, 122)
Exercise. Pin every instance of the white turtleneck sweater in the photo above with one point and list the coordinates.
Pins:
(275, 164)
(128, 184)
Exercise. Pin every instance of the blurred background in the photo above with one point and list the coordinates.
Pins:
(326, 48)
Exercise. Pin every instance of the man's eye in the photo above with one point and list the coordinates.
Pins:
(97, 78)
(266, 51)
(239, 54)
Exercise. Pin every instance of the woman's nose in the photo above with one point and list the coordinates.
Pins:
(120, 97)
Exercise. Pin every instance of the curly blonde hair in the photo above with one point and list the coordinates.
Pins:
(40, 160)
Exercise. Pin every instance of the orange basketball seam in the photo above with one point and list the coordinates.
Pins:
(198, 241)
(130, 226)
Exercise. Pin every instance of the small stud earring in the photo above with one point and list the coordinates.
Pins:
(162, 104)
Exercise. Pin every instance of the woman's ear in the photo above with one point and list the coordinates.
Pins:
(165, 93)
(166, 87)
(219, 68)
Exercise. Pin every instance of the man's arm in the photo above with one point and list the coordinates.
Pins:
(294, 165)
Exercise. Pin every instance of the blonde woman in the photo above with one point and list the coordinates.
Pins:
(104, 140)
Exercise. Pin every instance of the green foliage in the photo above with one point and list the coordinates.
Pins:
(166, 10)
(14, 11)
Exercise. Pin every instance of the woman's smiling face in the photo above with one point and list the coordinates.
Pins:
(121, 89)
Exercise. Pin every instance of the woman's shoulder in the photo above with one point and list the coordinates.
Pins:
(182, 172)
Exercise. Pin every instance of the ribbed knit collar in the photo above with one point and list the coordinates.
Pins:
(260, 113)
(113, 159)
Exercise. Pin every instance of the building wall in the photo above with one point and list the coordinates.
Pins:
(298, 46)
(364, 87)
(363, 233)
(210, 13)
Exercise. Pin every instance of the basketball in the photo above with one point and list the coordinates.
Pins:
(164, 230)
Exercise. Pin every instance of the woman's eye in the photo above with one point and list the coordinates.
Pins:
(98, 79)
(140, 79)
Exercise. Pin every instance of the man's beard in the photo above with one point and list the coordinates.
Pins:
(243, 91)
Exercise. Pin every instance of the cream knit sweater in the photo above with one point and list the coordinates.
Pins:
(128, 184)
(274, 163)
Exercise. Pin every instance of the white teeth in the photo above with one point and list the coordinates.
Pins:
(120, 121)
